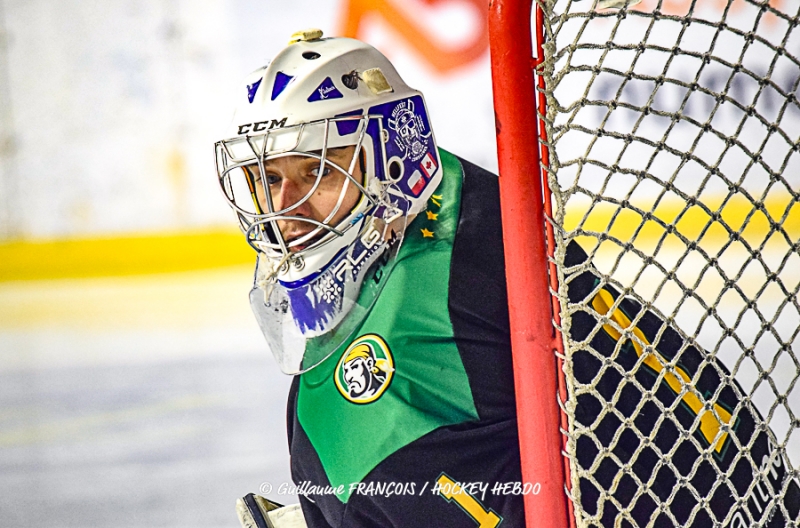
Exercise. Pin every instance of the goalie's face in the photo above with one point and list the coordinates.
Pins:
(314, 194)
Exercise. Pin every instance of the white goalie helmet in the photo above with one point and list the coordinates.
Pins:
(328, 155)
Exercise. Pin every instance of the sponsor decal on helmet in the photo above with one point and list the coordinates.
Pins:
(260, 126)
(252, 89)
(281, 82)
(365, 369)
(326, 90)
(411, 137)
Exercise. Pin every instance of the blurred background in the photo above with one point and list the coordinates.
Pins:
(135, 388)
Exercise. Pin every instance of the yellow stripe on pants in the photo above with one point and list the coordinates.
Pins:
(710, 421)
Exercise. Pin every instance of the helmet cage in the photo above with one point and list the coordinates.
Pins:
(236, 159)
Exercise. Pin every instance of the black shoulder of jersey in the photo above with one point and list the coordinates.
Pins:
(477, 296)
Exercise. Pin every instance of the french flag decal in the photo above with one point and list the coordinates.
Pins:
(428, 165)
(416, 183)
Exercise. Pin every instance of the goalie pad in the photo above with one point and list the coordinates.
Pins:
(255, 511)
(662, 429)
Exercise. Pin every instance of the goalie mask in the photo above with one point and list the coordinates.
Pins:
(328, 155)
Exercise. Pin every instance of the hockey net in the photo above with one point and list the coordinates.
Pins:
(671, 133)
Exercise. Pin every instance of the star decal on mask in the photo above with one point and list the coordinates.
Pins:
(432, 216)
(435, 199)
(426, 233)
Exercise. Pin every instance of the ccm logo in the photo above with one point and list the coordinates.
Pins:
(261, 126)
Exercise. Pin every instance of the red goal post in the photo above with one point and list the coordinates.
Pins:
(525, 202)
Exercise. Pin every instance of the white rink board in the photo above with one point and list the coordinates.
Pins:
(112, 108)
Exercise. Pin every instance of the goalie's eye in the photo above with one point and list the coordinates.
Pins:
(316, 173)
(273, 179)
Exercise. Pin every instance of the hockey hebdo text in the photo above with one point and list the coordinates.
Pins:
(389, 489)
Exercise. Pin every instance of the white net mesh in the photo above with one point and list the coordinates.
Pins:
(674, 164)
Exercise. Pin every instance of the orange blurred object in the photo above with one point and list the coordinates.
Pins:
(441, 58)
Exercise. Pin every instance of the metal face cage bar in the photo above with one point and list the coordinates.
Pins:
(533, 337)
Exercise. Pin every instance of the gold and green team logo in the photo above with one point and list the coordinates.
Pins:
(365, 370)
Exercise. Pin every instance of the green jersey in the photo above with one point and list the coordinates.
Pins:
(413, 421)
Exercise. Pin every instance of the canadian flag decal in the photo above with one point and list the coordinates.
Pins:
(416, 183)
(428, 165)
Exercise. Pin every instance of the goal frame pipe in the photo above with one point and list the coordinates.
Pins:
(533, 336)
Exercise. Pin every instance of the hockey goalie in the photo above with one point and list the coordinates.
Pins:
(380, 287)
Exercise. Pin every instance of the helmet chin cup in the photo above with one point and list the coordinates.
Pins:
(305, 322)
